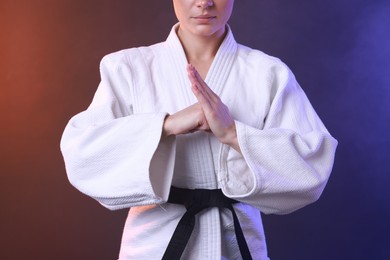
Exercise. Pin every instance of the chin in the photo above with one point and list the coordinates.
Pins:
(205, 31)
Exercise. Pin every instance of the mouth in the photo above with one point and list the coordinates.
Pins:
(204, 18)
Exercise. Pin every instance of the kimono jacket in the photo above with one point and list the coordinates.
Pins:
(114, 151)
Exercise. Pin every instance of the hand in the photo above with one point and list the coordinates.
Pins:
(186, 121)
(216, 113)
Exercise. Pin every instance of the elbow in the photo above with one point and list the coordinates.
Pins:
(290, 204)
(313, 191)
(110, 206)
(292, 200)
(316, 179)
(313, 195)
(110, 203)
(310, 195)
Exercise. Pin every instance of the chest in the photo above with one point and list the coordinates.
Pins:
(160, 85)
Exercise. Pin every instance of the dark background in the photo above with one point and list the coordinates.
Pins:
(49, 56)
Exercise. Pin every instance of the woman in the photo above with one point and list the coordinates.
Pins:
(235, 120)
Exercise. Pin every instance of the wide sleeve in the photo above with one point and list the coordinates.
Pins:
(113, 155)
(286, 164)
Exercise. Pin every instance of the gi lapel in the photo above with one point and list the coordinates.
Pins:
(219, 69)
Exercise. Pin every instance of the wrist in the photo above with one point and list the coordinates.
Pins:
(167, 128)
(231, 138)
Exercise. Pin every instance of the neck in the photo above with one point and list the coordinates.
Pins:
(200, 48)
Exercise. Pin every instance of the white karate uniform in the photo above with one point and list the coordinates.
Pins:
(114, 151)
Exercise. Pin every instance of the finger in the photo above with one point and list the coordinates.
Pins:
(193, 77)
(201, 97)
(197, 80)
(197, 88)
(206, 88)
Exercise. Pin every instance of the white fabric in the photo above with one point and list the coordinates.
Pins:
(114, 152)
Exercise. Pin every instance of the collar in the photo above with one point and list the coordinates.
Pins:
(221, 65)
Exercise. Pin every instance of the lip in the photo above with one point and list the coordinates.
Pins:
(204, 18)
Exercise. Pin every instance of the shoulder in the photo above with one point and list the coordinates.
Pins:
(260, 59)
(264, 65)
(131, 57)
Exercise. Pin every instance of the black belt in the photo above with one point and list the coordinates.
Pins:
(195, 201)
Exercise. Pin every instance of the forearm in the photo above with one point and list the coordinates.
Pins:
(185, 121)
(231, 138)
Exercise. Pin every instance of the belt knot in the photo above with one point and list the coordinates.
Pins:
(195, 201)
